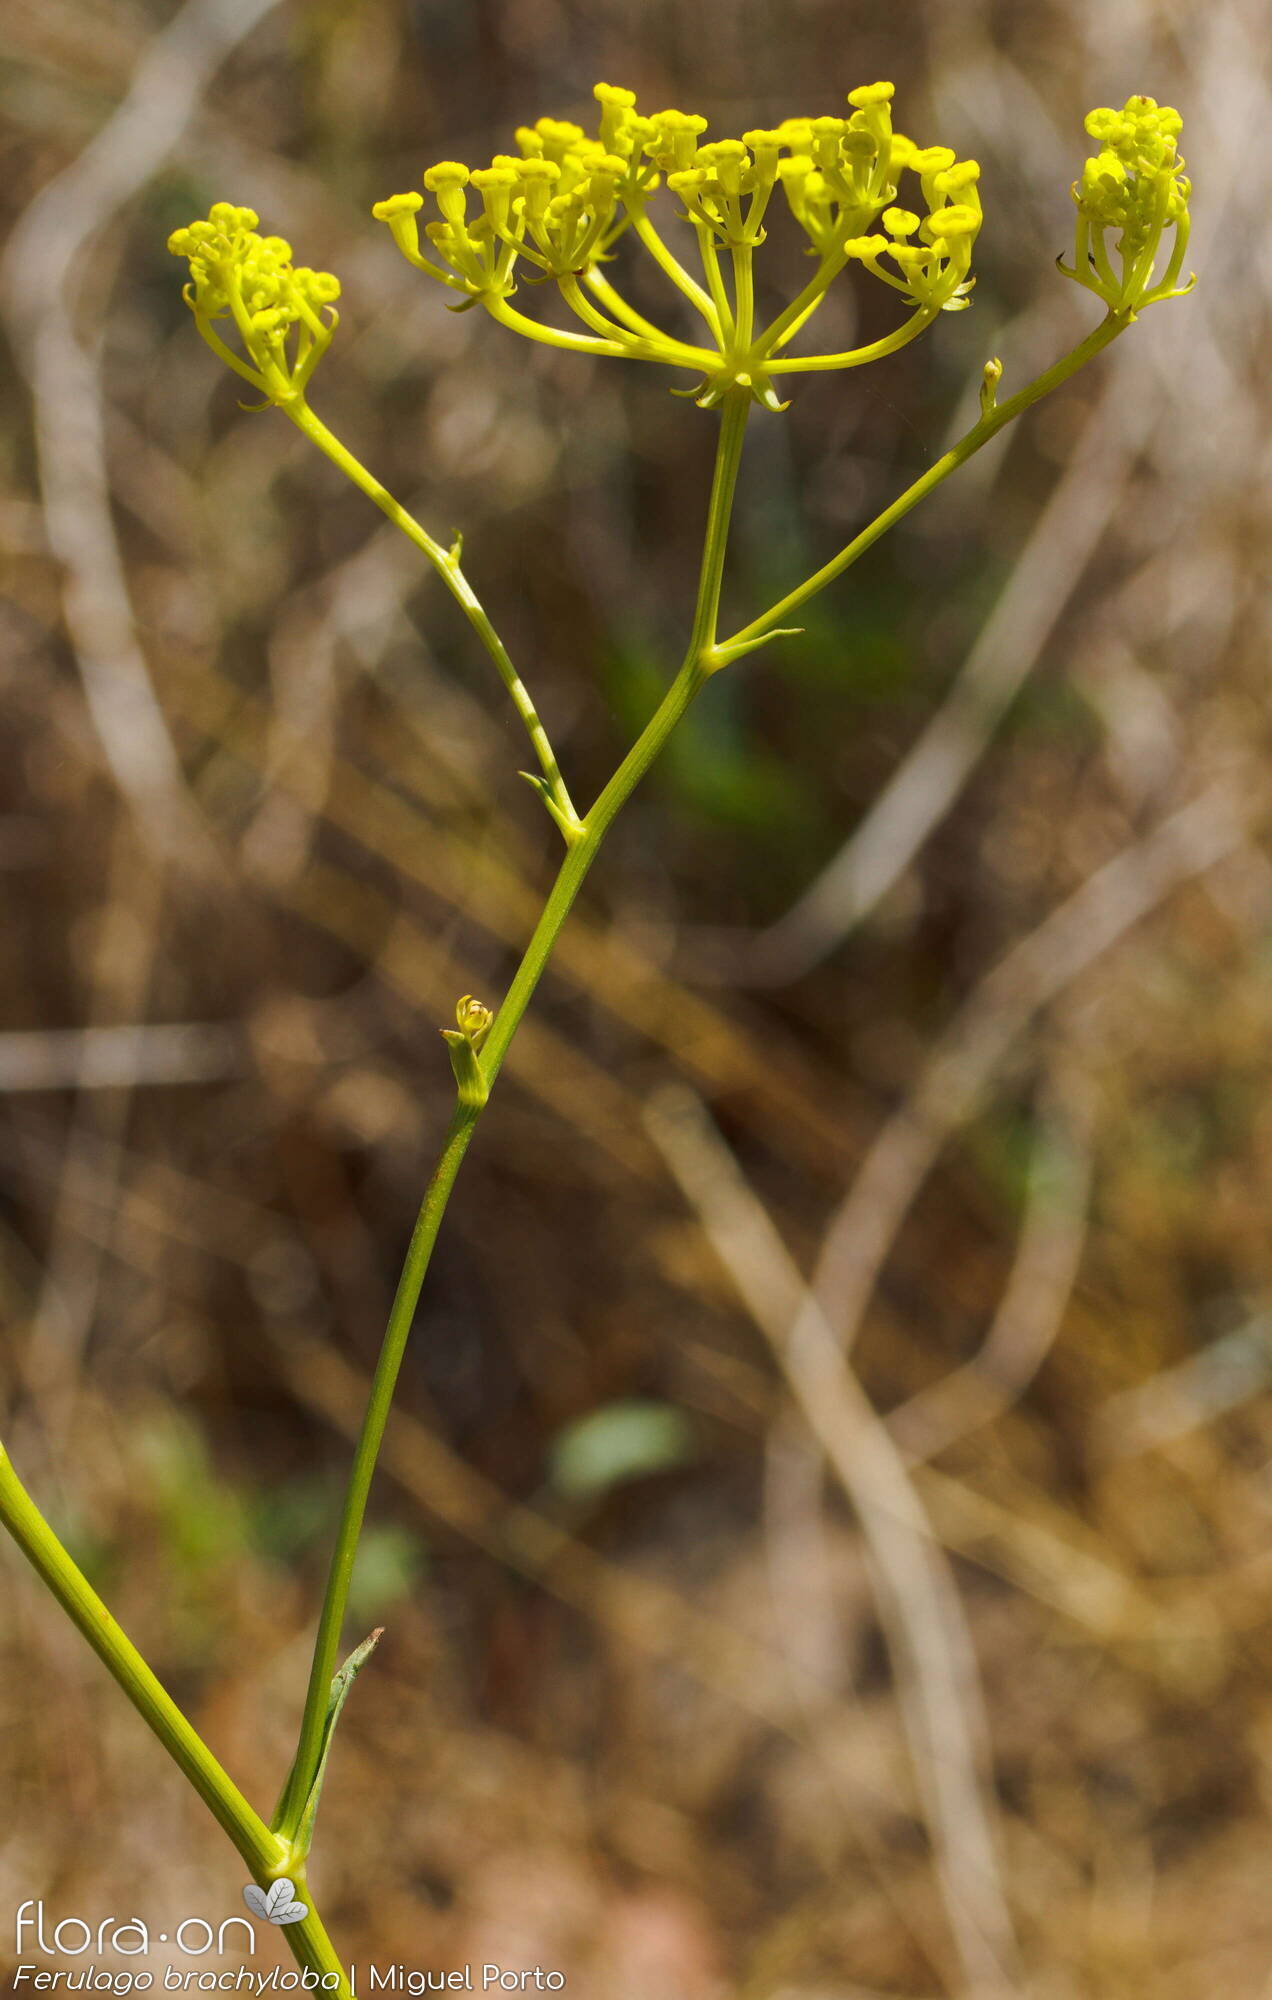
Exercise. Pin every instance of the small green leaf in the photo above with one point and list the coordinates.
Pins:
(618, 1442)
(340, 1686)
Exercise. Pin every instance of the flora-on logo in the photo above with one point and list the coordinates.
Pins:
(277, 1904)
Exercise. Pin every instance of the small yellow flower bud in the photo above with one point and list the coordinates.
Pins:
(795, 169)
(446, 174)
(400, 211)
(764, 145)
(1106, 125)
(397, 204)
(226, 216)
(956, 220)
(931, 159)
(617, 106)
(447, 180)
(963, 174)
(473, 1020)
(463, 1044)
(609, 167)
(871, 93)
(538, 177)
(496, 185)
(675, 138)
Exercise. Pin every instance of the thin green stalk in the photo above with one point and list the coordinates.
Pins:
(261, 1849)
(991, 422)
(597, 282)
(304, 1769)
(671, 264)
(744, 293)
(447, 566)
(309, 1944)
(662, 347)
(710, 257)
(855, 357)
(547, 336)
(698, 664)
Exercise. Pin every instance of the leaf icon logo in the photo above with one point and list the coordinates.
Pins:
(277, 1904)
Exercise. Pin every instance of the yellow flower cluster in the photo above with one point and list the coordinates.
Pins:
(556, 208)
(565, 197)
(559, 204)
(1135, 185)
(237, 274)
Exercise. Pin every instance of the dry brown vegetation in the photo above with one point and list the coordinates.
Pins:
(894, 1032)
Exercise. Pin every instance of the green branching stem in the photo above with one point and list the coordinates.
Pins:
(304, 1771)
(260, 1848)
(856, 357)
(672, 266)
(266, 1855)
(610, 297)
(272, 1852)
(991, 422)
(699, 663)
(447, 566)
(637, 346)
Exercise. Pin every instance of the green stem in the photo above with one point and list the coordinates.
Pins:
(304, 1769)
(309, 1944)
(855, 357)
(447, 567)
(597, 282)
(698, 664)
(710, 257)
(547, 336)
(677, 353)
(980, 434)
(671, 264)
(744, 294)
(261, 1849)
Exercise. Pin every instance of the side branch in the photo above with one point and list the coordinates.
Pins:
(263, 1852)
(855, 357)
(993, 420)
(446, 563)
(486, 1065)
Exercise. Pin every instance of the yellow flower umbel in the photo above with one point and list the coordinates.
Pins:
(1133, 186)
(284, 317)
(556, 208)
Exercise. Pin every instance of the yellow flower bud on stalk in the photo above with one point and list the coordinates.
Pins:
(284, 316)
(1134, 186)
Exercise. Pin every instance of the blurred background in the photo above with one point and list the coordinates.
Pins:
(823, 1544)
